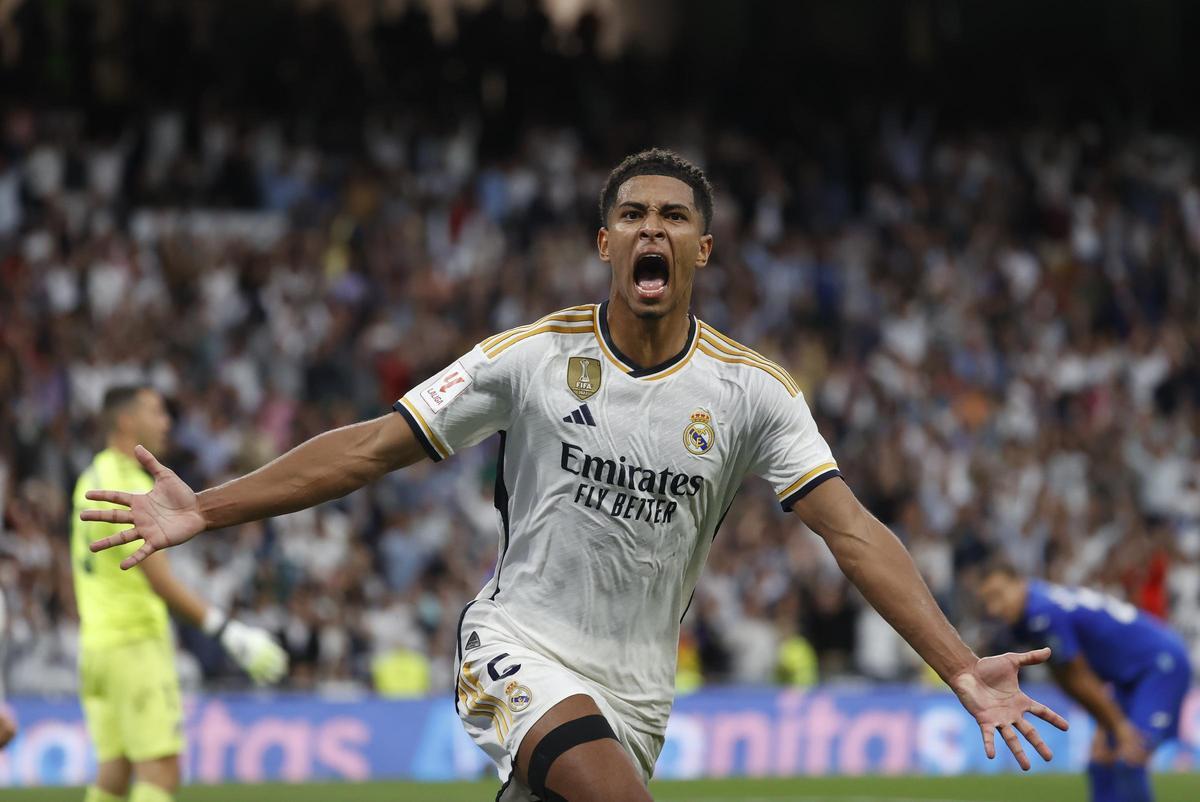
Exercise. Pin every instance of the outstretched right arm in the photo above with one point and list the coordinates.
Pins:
(326, 467)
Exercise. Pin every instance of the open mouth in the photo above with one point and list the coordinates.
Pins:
(651, 275)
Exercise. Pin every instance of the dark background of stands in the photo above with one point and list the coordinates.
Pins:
(775, 67)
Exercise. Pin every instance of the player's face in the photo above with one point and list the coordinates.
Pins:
(1002, 597)
(150, 422)
(654, 239)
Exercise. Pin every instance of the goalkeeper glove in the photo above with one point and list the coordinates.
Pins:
(253, 649)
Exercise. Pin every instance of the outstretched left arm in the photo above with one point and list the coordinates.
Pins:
(880, 567)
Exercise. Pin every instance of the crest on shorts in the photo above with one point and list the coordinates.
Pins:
(583, 376)
(699, 434)
(518, 696)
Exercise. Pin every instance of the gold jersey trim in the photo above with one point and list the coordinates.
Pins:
(734, 348)
(806, 478)
(483, 704)
(706, 347)
(550, 328)
(574, 314)
(426, 428)
(652, 373)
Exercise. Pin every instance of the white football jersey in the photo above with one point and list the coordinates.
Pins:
(613, 480)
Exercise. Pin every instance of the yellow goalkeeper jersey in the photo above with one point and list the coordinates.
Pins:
(115, 606)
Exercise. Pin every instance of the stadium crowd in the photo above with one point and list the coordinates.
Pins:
(996, 329)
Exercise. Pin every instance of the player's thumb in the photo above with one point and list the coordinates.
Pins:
(1034, 657)
(152, 465)
(144, 456)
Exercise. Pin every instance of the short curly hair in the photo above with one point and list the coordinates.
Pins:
(658, 161)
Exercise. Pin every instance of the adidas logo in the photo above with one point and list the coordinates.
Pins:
(472, 641)
(582, 415)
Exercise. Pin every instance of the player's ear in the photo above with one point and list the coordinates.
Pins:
(706, 244)
(602, 243)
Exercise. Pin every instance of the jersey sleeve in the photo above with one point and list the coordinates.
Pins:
(790, 453)
(471, 399)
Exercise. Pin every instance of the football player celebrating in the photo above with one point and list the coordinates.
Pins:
(625, 429)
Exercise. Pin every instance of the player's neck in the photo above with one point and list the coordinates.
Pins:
(120, 443)
(648, 341)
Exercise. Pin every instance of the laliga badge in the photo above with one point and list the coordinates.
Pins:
(699, 435)
(441, 390)
(518, 696)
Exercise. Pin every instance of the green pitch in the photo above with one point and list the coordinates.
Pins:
(1035, 788)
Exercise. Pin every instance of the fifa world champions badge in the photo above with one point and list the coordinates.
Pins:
(699, 435)
(583, 376)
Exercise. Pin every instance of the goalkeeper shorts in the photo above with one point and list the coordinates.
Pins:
(130, 698)
(503, 688)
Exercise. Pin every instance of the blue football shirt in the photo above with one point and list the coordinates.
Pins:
(1118, 641)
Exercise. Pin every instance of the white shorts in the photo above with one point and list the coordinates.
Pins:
(504, 687)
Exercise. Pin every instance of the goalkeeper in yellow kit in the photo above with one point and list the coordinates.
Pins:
(134, 717)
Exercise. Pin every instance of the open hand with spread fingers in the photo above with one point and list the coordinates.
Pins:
(166, 516)
(989, 691)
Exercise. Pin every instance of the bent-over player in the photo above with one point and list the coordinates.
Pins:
(1099, 640)
(625, 429)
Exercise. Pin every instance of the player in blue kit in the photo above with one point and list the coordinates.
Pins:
(1098, 640)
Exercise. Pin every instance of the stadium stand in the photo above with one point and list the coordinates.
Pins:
(995, 325)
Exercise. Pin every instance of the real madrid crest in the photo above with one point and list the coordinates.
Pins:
(699, 435)
(583, 376)
(518, 696)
